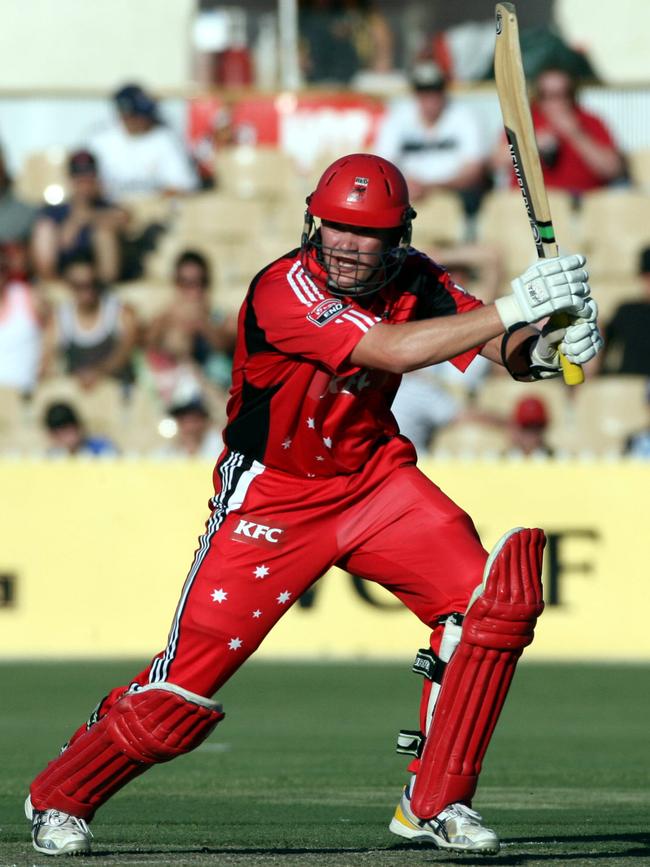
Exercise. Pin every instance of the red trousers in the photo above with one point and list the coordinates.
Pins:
(270, 536)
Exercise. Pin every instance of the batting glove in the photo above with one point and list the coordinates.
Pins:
(548, 286)
(579, 342)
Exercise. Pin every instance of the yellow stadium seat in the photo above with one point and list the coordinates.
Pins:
(639, 167)
(220, 216)
(500, 394)
(608, 409)
(469, 439)
(248, 172)
(502, 221)
(12, 414)
(147, 297)
(43, 176)
(616, 226)
(440, 220)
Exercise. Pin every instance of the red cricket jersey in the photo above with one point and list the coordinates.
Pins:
(297, 402)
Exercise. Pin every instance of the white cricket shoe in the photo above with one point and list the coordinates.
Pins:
(457, 828)
(57, 833)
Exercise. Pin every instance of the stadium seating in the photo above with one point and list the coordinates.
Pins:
(502, 222)
(42, 170)
(616, 226)
(469, 439)
(440, 219)
(263, 173)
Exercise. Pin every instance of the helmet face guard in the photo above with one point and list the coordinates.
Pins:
(368, 192)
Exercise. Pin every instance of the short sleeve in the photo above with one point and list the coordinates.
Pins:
(300, 319)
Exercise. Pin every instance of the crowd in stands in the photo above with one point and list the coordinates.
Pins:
(116, 336)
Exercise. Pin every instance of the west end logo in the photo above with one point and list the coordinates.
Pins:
(326, 311)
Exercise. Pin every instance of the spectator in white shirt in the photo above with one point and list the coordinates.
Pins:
(138, 155)
(435, 141)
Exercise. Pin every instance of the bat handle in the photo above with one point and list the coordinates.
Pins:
(572, 373)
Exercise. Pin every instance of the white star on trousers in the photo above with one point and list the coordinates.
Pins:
(257, 613)
(235, 643)
(286, 443)
(261, 571)
(328, 442)
(219, 595)
(311, 423)
(284, 597)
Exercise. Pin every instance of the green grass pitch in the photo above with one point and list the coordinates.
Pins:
(303, 770)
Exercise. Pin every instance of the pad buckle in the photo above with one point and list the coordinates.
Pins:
(410, 743)
(429, 665)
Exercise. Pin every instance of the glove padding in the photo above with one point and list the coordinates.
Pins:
(579, 342)
(548, 286)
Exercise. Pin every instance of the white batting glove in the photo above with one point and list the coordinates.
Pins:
(579, 342)
(548, 286)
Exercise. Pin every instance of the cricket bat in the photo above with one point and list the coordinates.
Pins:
(518, 123)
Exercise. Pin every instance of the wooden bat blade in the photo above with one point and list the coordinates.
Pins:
(520, 132)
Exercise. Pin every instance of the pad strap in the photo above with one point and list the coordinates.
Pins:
(410, 742)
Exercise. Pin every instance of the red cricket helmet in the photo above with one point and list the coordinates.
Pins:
(361, 190)
(368, 191)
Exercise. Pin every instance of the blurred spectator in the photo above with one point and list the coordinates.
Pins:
(188, 334)
(577, 150)
(16, 217)
(435, 141)
(139, 154)
(93, 333)
(86, 224)
(638, 444)
(196, 437)
(340, 38)
(433, 397)
(67, 437)
(23, 316)
(627, 334)
(527, 429)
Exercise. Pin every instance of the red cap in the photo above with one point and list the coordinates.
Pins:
(531, 412)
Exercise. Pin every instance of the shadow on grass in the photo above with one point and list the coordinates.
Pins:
(504, 858)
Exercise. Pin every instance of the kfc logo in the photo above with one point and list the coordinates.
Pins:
(326, 311)
(256, 533)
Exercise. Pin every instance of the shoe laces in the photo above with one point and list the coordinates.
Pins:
(58, 819)
(459, 811)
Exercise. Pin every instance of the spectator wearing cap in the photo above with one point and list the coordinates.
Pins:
(92, 334)
(436, 141)
(527, 429)
(67, 437)
(24, 315)
(196, 436)
(138, 154)
(84, 225)
(627, 334)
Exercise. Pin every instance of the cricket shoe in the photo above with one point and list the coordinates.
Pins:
(57, 833)
(457, 827)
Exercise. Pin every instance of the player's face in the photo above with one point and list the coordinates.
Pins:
(351, 253)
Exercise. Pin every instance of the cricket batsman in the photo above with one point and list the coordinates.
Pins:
(314, 474)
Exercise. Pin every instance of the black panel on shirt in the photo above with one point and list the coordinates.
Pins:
(248, 432)
(433, 297)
